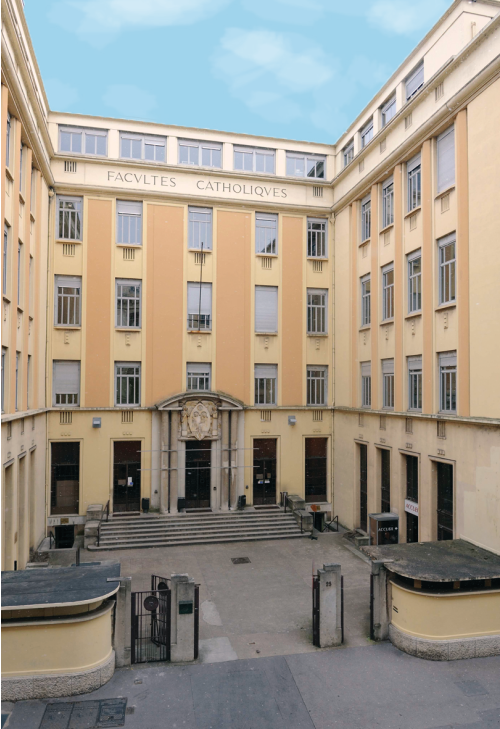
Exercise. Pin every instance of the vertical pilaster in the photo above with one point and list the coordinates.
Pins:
(375, 306)
(354, 210)
(462, 245)
(428, 363)
(399, 377)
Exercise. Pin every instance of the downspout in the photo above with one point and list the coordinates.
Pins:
(332, 479)
(230, 455)
(50, 221)
(168, 459)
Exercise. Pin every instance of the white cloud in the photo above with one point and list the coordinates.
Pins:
(402, 17)
(130, 101)
(61, 95)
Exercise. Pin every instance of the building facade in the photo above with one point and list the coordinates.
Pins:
(214, 315)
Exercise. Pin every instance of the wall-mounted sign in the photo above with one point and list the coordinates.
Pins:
(411, 507)
(58, 520)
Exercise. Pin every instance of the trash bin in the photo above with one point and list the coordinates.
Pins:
(242, 502)
(145, 505)
(181, 504)
(319, 520)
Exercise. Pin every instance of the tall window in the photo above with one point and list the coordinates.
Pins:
(366, 218)
(388, 110)
(305, 165)
(68, 301)
(414, 182)
(250, 159)
(388, 203)
(317, 303)
(200, 228)
(447, 269)
(316, 238)
(266, 233)
(363, 486)
(411, 505)
(76, 140)
(448, 382)
(365, 300)
(446, 159)
(127, 383)
(5, 257)
(19, 271)
(415, 383)
(8, 140)
(4, 365)
(65, 477)
(385, 480)
(414, 282)
(388, 383)
(266, 377)
(198, 375)
(66, 382)
(200, 154)
(128, 222)
(366, 133)
(317, 380)
(415, 81)
(128, 303)
(33, 190)
(28, 383)
(444, 501)
(21, 168)
(366, 384)
(388, 292)
(348, 153)
(18, 365)
(142, 146)
(199, 305)
(69, 223)
(266, 309)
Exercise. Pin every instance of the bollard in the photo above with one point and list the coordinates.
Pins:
(330, 601)
(183, 616)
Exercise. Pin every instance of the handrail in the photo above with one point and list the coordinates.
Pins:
(106, 509)
(336, 520)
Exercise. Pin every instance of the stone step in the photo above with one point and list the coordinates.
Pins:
(188, 524)
(200, 517)
(177, 543)
(195, 533)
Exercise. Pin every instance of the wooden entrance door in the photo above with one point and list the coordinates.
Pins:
(198, 464)
(264, 471)
(127, 475)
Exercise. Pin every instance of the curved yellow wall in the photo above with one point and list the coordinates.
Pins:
(446, 616)
(57, 647)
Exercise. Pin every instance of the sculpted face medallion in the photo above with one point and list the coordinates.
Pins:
(200, 421)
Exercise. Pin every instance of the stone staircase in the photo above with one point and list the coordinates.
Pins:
(149, 530)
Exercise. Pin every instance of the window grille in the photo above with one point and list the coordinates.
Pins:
(414, 178)
(414, 282)
(316, 385)
(447, 269)
(267, 262)
(387, 203)
(127, 416)
(441, 429)
(365, 301)
(250, 159)
(266, 233)
(317, 266)
(317, 191)
(265, 416)
(305, 165)
(388, 383)
(200, 228)
(129, 222)
(199, 258)
(317, 416)
(68, 297)
(136, 146)
(317, 311)
(408, 121)
(265, 384)
(199, 305)
(388, 292)
(448, 381)
(200, 154)
(415, 383)
(128, 304)
(198, 376)
(127, 383)
(65, 417)
(366, 385)
(366, 218)
(439, 91)
(66, 383)
(316, 238)
(69, 226)
(69, 166)
(445, 203)
(129, 254)
(348, 153)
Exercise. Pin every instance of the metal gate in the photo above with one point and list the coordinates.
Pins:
(151, 610)
(196, 620)
(316, 611)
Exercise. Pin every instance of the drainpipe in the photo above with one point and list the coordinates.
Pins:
(229, 460)
(169, 454)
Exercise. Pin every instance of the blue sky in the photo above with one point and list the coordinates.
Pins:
(300, 69)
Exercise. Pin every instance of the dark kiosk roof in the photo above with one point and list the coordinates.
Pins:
(448, 561)
(60, 585)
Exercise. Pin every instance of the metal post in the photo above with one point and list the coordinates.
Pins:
(229, 460)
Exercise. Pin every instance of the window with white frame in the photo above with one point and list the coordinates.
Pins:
(200, 154)
(305, 165)
(366, 384)
(266, 233)
(348, 153)
(199, 305)
(127, 383)
(414, 81)
(448, 382)
(446, 159)
(129, 222)
(317, 308)
(414, 282)
(317, 380)
(79, 140)
(316, 238)
(66, 382)
(5, 256)
(142, 146)
(69, 217)
(250, 159)
(266, 309)
(388, 110)
(128, 303)
(68, 301)
(388, 384)
(388, 292)
(415, 383)
(447, 269)
(388, 203)
(200, 228)
(198, 376)
(366, 133)
(366, 218)
(366, 313)
(266, 377)
(414, 182)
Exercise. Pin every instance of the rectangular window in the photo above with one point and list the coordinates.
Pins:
(444, 501)
(64, 478)
(198, 376)
(411, 495)
(305, 165)
(265, 384)
(199, 305)
(21, 168)
(448, 382)
(128, 303)
(250, 159)
(19, 272)
(414, 182)
(68, 301)
(33, 191)
(414, 282)
(316, 238)
(69, 219)
(200, 228)
(385, 480)
(415, 383)
(388, 110)
(142, 146)
(366, 218)
(315, 469)
(28, 383)
(77, 140)
(317, 381)
(363, 486)
(4, 365)
(8, 140)
(266, 233)
(366, 384)
(365, 301)
(447, 269)
(127, 383)
(366, 133)
(388, 383)
(18, 365)
(5, 257)
(129, 222)
(446, 159)
(266, 309)
(200, 154)
(388, 292)
(348, 153)
(415, 80)
(388, 203)
(66, 382)
(317, 306)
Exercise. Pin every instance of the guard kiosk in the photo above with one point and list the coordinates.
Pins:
(383, 529)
